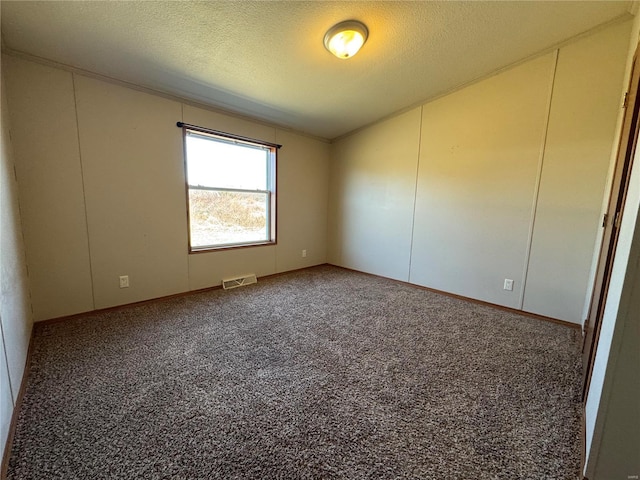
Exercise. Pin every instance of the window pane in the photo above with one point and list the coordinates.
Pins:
(220, 164)
(221, 218)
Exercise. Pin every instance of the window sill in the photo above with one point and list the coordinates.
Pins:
(197, 250)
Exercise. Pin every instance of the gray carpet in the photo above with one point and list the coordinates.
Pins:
(317, 374)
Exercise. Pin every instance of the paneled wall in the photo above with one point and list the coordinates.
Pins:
(476, 179)
(373, 197)
(101, 176)
(15, 306)
(582, 122)
(47, 157)
(505, 181)
(133, 183)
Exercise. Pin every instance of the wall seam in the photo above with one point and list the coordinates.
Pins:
(334, 248)
(328, 162)
(6, 362)
(24, 247)
(415, 195)
(536, 188)
(194, 102)
(619, 19)
(11, 153)
(84, 195)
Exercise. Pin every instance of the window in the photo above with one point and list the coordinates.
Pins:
(230, 188)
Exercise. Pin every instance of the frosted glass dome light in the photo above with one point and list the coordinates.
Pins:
(346, 38)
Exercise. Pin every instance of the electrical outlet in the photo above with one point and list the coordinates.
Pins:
(304, 253)
(124, 281)
(508, 284)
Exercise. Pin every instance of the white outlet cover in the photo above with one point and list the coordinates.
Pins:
(508, 284)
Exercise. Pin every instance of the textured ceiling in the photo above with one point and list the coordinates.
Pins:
(267, 60)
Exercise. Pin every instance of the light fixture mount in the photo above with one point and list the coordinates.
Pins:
(345, 38)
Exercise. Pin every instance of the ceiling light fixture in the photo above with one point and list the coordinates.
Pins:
(346, 38)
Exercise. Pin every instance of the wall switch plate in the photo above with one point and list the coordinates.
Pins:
(124, 281)
(304, 253)
(508, 284)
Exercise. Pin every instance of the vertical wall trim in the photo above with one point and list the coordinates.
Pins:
(536, 189)
(6, 362)
(20, 215)
(84, 195)
(415, 194)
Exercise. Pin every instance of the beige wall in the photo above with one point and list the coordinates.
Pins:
(303, 179)
(476, 183)
(134, 192)
(372, 196)
(587, 96)
(498, 196)
(15, 306)
(101, 172)
(45, 141)
(6, 399)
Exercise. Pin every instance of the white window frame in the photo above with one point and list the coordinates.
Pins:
(270, 192)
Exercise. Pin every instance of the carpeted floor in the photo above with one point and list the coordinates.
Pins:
(318, 374)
